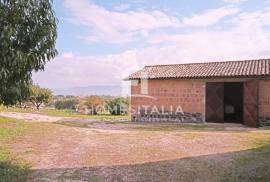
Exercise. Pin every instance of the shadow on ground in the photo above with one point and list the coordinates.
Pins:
(129, 126)
(249, 165)
(12, 172)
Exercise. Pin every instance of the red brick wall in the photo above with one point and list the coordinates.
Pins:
(189, 94)
(264, 99)
(170, 94)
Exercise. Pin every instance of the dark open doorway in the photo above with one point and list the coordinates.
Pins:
(233, 102)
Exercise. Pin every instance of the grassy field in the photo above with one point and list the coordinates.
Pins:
(11, 168)
(64, 113)
(105, 151)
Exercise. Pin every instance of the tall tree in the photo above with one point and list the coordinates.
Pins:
(40, 96)
(94, 103)
(27, 41)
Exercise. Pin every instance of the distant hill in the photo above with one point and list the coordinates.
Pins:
(113, 90)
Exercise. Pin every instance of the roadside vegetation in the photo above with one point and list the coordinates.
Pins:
(65, 113)
(72, 113)
(11, 167)
(42, 101)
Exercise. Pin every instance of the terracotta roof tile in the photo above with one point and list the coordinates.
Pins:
(248, 68)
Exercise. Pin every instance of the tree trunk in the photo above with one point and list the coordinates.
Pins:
(38, 106)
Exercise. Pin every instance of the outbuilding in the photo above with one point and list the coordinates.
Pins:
(232, 91)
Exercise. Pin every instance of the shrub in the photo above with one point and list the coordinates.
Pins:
(66, 104)
(94, 103)
(118, 106)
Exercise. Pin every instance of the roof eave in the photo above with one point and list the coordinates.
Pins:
(200, 78)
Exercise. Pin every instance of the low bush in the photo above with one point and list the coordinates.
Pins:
(118, 106)
(66, 104)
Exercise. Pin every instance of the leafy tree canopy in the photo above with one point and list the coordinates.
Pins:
(27, 41)
(93, 102)
(40, 96)
(118, 106)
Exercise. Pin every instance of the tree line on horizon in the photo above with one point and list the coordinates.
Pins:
(92, 104)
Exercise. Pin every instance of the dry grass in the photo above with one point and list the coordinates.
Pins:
(12, 168)
(105, 151)
(64, 113)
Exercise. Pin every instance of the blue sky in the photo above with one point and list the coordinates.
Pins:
(100, 42)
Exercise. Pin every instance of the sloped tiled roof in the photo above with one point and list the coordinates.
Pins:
(229, 69)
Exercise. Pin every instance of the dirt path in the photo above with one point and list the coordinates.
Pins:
(130, 152)
(60, 152)
(31, 117)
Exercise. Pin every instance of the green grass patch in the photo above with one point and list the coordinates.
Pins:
(254, 164)
(16, 109)
(72, 113)
(74, 124)
(11, 169)
(259, 150)
(247, 159)
(178, 127)
(262, 147)
(10, 128)
(65, 113)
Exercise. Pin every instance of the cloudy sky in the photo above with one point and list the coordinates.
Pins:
(100, 42)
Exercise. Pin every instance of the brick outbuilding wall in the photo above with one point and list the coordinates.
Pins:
(264, 101)
(168, 95)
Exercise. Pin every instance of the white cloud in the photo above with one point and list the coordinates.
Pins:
(122, 7)
(64, 72)
(113, 26)
(68, 55)
(234, 1)
(243, 41)
(209, 17)
(120, 27)
(245, 38)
